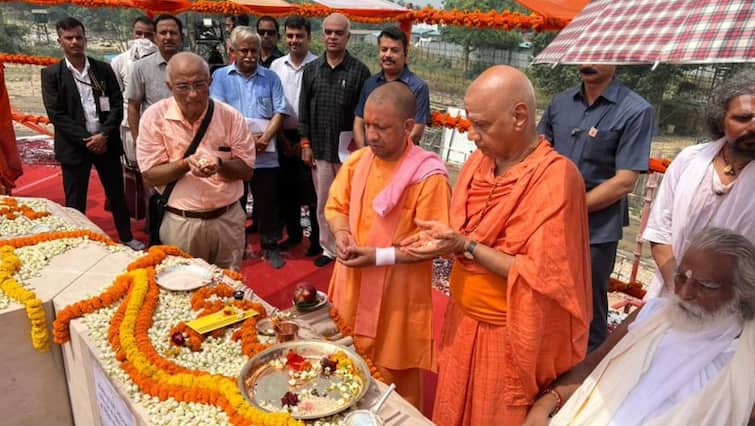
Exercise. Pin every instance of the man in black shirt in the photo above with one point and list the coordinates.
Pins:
(267, 28)
(329, 94)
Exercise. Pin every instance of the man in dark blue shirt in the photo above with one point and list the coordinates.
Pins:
(605, 129)
(393, 47)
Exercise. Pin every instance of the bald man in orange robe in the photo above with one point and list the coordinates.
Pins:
(383, 294)
(520, 286)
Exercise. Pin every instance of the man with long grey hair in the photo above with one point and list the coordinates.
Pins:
(683, 359)
(708, 184)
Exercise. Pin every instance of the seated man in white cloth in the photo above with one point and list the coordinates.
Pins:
(709, 184)
(686, 359)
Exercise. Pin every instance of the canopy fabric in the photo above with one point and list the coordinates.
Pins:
(652, 31)
(558, 9)
(266, 6)
(276, 3)
(362, 4)
(375, 8)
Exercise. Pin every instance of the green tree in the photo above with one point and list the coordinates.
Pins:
(471, 40)
(11, 37)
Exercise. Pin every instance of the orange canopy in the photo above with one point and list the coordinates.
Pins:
(559, 9)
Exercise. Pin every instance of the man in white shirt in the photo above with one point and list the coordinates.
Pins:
(296, 187)
(141, 45)
(709, 184)
(682, 360)
(84, 103)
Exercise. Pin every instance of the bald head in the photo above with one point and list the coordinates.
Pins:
(339, 20)
(187, 63)
(500, 105)
(395, 95)
(509, 84)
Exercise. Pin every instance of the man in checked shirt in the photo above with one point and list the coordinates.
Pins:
(330, 91)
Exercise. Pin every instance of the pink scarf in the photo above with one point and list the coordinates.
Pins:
(416, 164)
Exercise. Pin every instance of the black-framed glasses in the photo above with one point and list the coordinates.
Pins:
(267, 32)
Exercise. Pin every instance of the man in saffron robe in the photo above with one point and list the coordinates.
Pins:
(10, 160)
(520, 287)
(383, 294)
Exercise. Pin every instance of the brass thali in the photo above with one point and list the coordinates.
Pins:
(263, 381)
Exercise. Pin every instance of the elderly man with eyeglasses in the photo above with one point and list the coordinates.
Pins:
(681, 360)
(257, 93)
(203, 216)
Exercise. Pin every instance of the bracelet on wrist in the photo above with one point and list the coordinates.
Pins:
(559, 400)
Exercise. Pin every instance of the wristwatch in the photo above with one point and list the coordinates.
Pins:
(469, 249)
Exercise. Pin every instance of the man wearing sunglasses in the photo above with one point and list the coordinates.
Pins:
(267, 28)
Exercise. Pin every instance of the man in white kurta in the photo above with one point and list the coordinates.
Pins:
(711, 184)
(682, 360)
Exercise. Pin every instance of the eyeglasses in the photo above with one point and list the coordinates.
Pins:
(186, 87)
(267, 32)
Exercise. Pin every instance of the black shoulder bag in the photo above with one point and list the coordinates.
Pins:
(158, 202)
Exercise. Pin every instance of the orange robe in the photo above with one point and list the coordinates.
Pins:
(504, 339)
(404, 337)
(10, 161)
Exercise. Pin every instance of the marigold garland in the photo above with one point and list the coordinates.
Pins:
(10, 264)
(444, 119)
(504, 20)
(28, 118)
(27, 59)
(659, 165)
(250, 344)
(150, 371)
(159, 377)
(58, 235)
(346, 330)
(10, 209)
(61, 326)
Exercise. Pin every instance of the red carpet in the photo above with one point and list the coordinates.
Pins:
(275, 286)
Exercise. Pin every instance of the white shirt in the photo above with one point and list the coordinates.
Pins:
(122, 65)
(290, 76)
(686, 203)
(84, 84)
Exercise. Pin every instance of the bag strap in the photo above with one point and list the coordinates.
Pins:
(192, 148)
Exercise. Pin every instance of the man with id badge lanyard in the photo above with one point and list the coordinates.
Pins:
(84, 102)
(606, 130)
(257, 93)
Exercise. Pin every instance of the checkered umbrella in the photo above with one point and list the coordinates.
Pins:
(654, 31)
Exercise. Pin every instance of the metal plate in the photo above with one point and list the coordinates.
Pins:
(322, 299)
(184, 277)
(259, 381)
